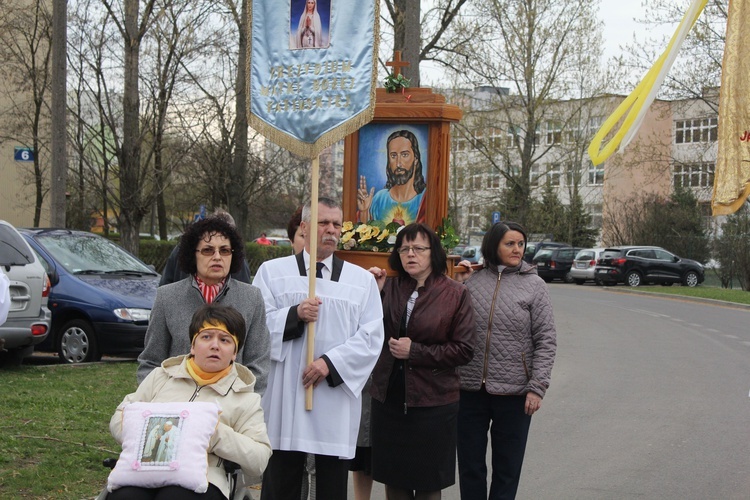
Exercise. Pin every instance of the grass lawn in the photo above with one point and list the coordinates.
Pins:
(737, 296)
(55, 428)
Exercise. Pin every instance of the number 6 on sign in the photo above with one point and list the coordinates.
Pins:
(23, 154)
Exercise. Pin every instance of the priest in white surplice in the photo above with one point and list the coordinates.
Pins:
(348, 339)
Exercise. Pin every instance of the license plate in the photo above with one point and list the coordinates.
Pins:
(581, 265)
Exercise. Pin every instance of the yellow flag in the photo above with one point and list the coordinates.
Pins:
(636, 105)
(732, 175)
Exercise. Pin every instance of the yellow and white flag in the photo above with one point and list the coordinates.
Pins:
(637, 103)
(732, 174)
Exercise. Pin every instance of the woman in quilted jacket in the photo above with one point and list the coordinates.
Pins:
(503, 385)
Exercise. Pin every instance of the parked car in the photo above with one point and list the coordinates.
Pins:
(638, 265)
(555, 263)
(473, 254)
(275, 240)
(101, 296)
(584, 266)
(28, 321)
(533, 247)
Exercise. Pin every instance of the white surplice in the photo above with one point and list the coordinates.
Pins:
(349, 331)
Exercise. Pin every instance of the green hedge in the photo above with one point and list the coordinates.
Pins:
(156, 253)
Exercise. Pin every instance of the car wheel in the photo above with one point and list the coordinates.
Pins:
(568, 278)
(690, 279)
(580, 281)
(598, 282)
(633, 278)
(77, 342)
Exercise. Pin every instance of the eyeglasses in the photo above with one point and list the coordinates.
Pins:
(417, 250)
(211, 251)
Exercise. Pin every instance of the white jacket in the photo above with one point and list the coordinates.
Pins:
(241, 434)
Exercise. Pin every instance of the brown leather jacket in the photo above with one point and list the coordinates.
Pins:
(443, 335)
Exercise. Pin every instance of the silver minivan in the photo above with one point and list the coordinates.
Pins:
(584, 266)
(29, 318)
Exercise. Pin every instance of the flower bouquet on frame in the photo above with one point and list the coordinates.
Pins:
(374, 236)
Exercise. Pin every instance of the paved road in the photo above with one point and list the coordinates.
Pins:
(649, 399)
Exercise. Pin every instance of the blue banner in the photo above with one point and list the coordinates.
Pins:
(312, 70)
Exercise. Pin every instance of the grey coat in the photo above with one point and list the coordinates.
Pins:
(168, 336)
(516, 338)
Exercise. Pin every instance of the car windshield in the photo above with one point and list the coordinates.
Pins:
(13, 249)
(84, 253)
(543, 254)
(585, 255)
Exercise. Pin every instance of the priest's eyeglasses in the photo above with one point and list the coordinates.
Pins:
(211, 251)
(416, 249)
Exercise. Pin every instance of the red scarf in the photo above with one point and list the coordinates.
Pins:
(209, 292)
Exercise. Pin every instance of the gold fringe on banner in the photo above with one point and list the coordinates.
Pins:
(732, 173)
(291, 143)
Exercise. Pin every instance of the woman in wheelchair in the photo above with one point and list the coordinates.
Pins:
(207, 374)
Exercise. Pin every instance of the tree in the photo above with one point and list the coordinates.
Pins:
(732, 249)
(437, 36)
(535, 102)
(675, 223)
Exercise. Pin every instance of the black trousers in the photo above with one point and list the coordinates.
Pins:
(508, 428)
(282, 479)
(165, 493)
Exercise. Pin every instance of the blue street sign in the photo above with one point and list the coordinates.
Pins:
(495, 217)
(23, 154)
(203, 212)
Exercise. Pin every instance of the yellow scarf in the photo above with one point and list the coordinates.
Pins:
(205, 378)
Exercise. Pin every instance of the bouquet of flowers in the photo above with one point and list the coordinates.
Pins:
(373, 236)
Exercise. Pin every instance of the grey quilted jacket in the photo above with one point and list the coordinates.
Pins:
(516, 339)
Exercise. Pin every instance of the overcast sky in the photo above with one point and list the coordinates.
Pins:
(619, 27)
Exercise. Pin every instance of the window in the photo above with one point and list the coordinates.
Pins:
(696, 130)
(595, 123)
(554, 175)
(493, 181)
(474, 216)
(462, 144)
(460, 176)
(596, 174)
(534, 180)
(663, 255)
(554, 133)
(693, 175)
(475, 183)
(595, 211)
(495, 138)
(510, 135)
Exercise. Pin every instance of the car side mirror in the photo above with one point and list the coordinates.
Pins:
(54, 278)
(675, 259)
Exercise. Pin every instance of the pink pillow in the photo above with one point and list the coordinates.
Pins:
(165, 444)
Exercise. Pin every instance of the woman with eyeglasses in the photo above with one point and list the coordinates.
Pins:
(210, 249)
(429, 326)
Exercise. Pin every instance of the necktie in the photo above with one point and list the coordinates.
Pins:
(319, 269)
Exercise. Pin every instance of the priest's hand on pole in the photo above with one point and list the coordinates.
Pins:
(315, 373)
(307, 310)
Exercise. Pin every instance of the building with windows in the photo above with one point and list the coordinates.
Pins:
(674, 147)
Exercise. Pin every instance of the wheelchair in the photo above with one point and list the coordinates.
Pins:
(240, 486)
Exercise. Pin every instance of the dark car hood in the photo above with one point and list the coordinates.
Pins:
(692, 262)
(133, 291)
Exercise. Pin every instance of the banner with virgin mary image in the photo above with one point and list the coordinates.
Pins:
(312, 68)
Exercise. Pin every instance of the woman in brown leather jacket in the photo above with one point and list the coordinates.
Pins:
(503, 385)
(429, 326)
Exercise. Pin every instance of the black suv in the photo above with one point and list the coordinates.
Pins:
(554, 263)
(534, 247)
(636, 266)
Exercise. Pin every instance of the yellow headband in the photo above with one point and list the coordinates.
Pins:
(218, 325)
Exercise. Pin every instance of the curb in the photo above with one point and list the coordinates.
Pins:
(700, 300)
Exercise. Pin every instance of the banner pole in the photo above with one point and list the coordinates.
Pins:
(311, 274)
